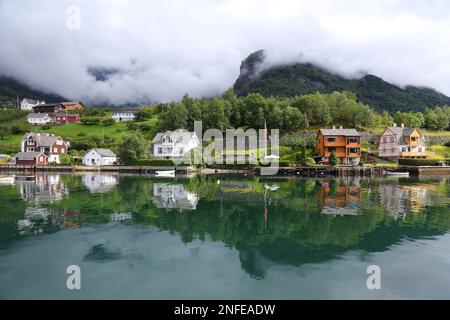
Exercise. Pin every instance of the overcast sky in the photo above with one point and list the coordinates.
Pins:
(163, 49)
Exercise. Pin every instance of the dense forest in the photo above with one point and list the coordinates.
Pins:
(288, 114)
(305, 78)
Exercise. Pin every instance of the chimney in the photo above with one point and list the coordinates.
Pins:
(395, 125)
(334, 127)
(403, 125)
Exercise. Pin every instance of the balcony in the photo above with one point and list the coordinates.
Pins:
(411, 154)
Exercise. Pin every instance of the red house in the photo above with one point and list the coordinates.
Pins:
(31, 158)
(62, 118)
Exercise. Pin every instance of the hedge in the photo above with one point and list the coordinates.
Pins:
(152, 162)
(418, 162)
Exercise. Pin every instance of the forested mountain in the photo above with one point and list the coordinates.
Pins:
(10, 89)
(305, 78)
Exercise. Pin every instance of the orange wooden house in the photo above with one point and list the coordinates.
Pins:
(346, 143)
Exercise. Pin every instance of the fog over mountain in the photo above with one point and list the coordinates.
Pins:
(141, 51)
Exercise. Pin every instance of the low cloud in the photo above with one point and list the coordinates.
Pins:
(141, 51)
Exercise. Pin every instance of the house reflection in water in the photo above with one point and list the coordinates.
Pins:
(99, 183)
(338, 198)
(46, 188)
(173, 196)
(37, 220)
(398, 200)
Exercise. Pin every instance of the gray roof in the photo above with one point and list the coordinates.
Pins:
(105, 152)
(60, 114)
(179, 136)
(30, 101)
(340, 132)
(37, 115)
(43, 139)
(402, 132)
(28, 155)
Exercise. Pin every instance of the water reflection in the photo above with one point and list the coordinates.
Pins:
(173, 196)
(336, 197)
(99, 183)
(282, 222)
(45, 188)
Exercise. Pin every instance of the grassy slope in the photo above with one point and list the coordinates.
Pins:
(71, 130)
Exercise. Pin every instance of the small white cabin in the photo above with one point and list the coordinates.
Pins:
(39, 118)
(99, 157)
(28, 104)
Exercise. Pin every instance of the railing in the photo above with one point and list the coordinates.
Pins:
(410, 154)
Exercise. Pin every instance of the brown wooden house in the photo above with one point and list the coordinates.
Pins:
(31, 158)
(49, 108)
(345, 143)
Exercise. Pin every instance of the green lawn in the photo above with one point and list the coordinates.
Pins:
(441, 151)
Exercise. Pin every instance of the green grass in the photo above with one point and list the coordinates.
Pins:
(442, 152)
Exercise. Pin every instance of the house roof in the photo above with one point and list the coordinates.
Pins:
(71, 102)
(37, 115)
(49, 105)
(340, 132)
(402, 132)
(105, 152)
(28, 155)
(125, 110)
(178, 136)
(43, 139)
(30, 101)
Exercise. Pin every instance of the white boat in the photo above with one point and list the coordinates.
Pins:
(7, 179)
(165, 173)
(393, 173)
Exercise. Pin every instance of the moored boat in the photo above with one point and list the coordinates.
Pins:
(165, 173)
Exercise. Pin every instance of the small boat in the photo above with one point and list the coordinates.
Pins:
(165, 173)
(395, 173)
(7, 179)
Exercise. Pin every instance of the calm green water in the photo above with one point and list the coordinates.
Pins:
(142, 237)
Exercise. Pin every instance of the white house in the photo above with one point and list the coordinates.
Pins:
(123, 115)
(99, 157)
(39, 118)
(28, 104)
(174, 143)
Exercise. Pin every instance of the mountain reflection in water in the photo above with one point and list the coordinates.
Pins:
(270, 222)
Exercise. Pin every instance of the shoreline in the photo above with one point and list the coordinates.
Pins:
(282, 171)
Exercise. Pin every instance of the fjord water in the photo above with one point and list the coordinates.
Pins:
(209, 237)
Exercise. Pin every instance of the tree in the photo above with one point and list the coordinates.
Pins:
(174, 116)
(133, 147)
(333, 159)
(65, 160)
(194, 112)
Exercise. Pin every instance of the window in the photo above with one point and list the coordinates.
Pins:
(30, 149)
(352, 140)
(160, 150)
(55, 150)
(63, 150)
(352, 150)
(384, 140)
(331, 149)
(331, 139)
(392, 150)
(391, 139)
(403, 149)
(30, 142)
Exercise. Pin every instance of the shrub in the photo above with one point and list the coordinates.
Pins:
(418, 162)
(90, 120)
(152, 162)
(108, 122)
(65, 160)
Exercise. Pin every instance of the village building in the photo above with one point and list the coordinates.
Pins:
(174, 143)
(402, 142)
(345, 143)
(49, 108)
(73, 105)
(31, 158)
(173, 196)
(39, 118)
(52, 146)
(124, 115)
(28, 104)
(62, 118)
(99, 157)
